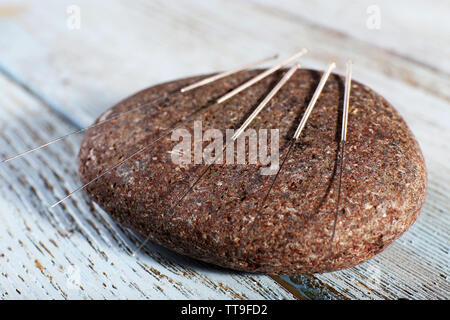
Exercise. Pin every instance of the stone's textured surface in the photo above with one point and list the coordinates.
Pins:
(383, 185)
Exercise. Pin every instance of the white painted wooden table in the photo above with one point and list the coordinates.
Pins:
(55, 79)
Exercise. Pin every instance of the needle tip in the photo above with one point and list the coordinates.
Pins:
(9, 159)
(56, 203)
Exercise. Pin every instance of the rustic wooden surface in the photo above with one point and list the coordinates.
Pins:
(54, 80)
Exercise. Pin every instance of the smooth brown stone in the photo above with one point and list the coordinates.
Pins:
(383, 185)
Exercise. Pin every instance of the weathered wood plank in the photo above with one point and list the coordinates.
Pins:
(416, 30)
(125, 46)
(76, 251)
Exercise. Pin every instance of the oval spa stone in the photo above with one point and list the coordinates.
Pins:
(221, 220)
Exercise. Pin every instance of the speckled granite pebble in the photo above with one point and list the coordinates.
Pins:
(383, 185)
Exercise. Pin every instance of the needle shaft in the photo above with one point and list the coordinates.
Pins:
(348, 78)
(226, 74)
(313, 101)
(261, 76)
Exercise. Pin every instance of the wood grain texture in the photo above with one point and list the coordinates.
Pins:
(125, 46)
(415, 30)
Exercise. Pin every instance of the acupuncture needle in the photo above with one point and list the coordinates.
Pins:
(196, 84)
(223, 99)
(241, 129)
(226, 74)
(294, 139)
(348, 79)
(262, 75)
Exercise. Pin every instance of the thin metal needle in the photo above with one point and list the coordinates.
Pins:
(185, 89)
(348, 79)
(316, 95)
(295, 138)
(128, 158)
(269, 97)
(226, 74)
(84, 129)
(258, 109)
(348, 82)
(261, 76)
